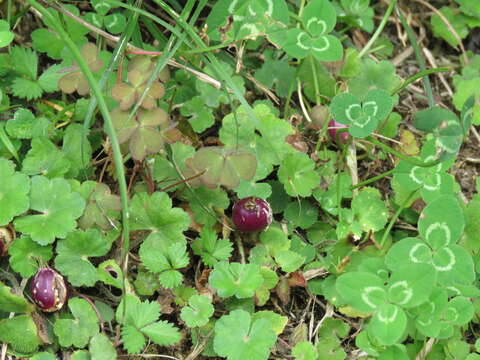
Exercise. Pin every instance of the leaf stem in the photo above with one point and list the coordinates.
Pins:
(372, 179)
(417, 76)
(396, 215)
(379, 29)
(398, 154)
(117, 154)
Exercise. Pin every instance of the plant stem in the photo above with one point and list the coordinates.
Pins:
(417, 76)
(379, 29)
(117, 155)
(418, 54)
(398, 154)
(396, 215)
(372, 179)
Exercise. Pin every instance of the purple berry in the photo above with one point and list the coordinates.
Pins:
(252, 214)
(48, 290)
(333, 132)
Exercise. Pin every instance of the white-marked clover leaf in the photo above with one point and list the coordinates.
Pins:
(297, 174)
(26, 256)
(235, 279)
(364, 291)
(444, 124)
(14, 188)
(44, 158)
(442, 222)
(58, 206)
(155, 213)
(221, 166)
(239, 337)
(140, 321)
(411, 285)
(408, 251)
(211, 248)
(388, 324)
(362, 117)
(142, 132)
(198, 311)
(81, 328)
(165, 260)
(252, 18)
(369, 210)
(73, 253)
(103, 208)
(318, 19)
(454, 265)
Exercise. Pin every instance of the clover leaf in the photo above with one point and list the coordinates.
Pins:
(297, 174)
(59, 207)
(26, 256)
(73, 253)
(235, 279)
(75, 80)
(362, 117)
(81, 328)
(141, 131)
(318, 20)
(44, 158)
(221, 166)
(198, 311)
(165, 260)
(210, 248)
(14, 189)
(139, 321)
(238, 336)
(369, 210)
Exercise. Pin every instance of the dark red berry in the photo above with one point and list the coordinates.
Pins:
(333, 132)
(252, 214)
(48, 290)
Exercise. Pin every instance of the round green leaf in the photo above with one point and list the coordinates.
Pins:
(14, 189)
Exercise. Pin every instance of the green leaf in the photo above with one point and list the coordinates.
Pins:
(155, 213)
(289, 261)
(44, 40)
(77, 149)
(276, 73)
(26, 256)
(73, 253)
(210, 248)
(110, 273)
(251, 188)
(48, 81)
(6, 36)
(206, 203)
(20, 332)
(305, 350)
(59, 207)
(369, 209)
(115, 23)
(237, 337)
(363, 291)
(162, 333)
(198, 312)
(101, 348)
(457, 21)
(26, 88)
(14, 189)
(235, 279)
(10, 302)
(163, 259)
(25, 62)
(103, 208)
(21, 126)
(164, 171)
(301, 213)
(200, 116)
(44, 158)
(388, 324)
(297, 174)
(77, 331)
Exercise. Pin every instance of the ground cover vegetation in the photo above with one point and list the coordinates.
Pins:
(241, 180)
